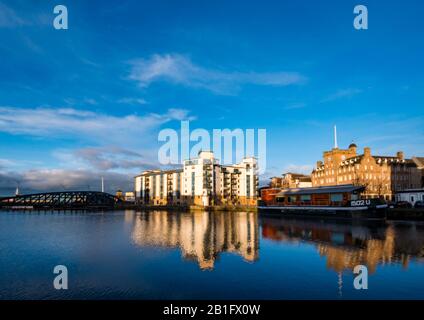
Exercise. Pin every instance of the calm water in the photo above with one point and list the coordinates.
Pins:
(165, 255)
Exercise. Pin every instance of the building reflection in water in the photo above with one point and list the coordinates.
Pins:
(347, 244)
(202, 236)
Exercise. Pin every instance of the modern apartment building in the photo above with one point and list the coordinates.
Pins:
(202, 181)
(159, 187)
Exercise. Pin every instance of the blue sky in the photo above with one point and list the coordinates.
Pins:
(89, 101)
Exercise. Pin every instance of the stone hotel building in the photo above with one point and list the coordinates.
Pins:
(202, 182)
(382, 176)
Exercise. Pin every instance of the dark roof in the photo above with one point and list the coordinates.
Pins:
(320, 190)
(352, 145)
(410, 190)
(294, 174)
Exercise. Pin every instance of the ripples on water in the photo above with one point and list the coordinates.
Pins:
(156, 255)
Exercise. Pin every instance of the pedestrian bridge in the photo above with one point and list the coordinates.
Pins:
(62, 200)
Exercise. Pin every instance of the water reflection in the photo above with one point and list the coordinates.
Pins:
(201, 236)
(347, 244)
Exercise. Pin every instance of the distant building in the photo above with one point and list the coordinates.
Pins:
(382, 176)
(419, 161)
(411, 195)
(129, 196)
(291, 180)
(202, 181)
(120, 195)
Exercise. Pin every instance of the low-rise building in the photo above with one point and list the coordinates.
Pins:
(129, 196)
(291, 180)
(411, 196)
(202, 181)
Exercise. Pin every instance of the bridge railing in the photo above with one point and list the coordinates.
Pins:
(62, 199)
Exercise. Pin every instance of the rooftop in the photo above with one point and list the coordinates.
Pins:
(320, 190)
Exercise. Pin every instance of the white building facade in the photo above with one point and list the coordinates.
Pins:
(202, 182)
(411, 196)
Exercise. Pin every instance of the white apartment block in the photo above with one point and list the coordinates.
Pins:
(202, 182)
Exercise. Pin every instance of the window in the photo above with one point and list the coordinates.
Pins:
(280, 199)
(336, 197)
(305, 197)
(248, 185)
(291, 199)
(192, 183)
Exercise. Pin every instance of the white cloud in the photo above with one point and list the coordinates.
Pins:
(5, 163)
(181, 70)
(119, 147)
(74, 123)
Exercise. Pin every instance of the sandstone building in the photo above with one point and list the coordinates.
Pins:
(291, 180)
(382, 176)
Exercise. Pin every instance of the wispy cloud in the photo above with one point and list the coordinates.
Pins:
(69, 122)
(5, 163)
(90, 101)
(343, 93)
(9, 18)
(132, 101)
(181, 70)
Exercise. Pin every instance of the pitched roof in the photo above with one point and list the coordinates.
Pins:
(419, 161)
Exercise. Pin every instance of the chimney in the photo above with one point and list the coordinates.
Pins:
(367, 152)
(400, 155)
(335, 137)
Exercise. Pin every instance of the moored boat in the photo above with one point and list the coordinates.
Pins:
(343, 201)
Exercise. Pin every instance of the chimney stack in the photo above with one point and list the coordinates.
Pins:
(400, 155)
(367, 151)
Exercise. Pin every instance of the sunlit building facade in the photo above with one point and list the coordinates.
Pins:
(202, 181)
(382, 176)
